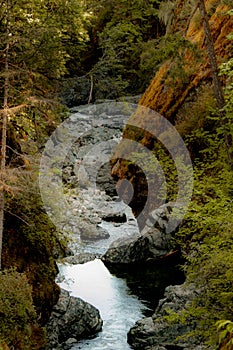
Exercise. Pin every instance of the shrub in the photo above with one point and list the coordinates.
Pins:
(16, 309)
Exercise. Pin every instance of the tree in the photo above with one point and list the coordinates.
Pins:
(119, 29)
(4, 126)
(35, 50)
(41, 45)
(214, 70)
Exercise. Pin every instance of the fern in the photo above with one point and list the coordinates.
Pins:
(225, 333)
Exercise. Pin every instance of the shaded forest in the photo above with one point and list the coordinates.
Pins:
(59, 54)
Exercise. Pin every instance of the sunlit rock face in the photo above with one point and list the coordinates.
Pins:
(167, 98)
(174, 100)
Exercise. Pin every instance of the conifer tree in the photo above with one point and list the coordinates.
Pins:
(4, 125)
(214, 70)
(35, 49)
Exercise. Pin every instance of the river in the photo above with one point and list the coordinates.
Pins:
(119, 309)
(122, 296)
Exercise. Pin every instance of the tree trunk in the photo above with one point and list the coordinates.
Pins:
(4, 128)
(91, 90)
(211, 54)
(214, 70)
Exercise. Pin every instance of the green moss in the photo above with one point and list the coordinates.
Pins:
(28, 245)
(17, 311)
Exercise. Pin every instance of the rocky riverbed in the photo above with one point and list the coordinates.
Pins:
(99, 225)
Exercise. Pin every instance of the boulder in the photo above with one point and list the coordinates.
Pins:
(161, 219)
(69, 344)
(115, 217)
(153, 244)
(156, 333)
(71, 318)
(81, 258)
(91, 232)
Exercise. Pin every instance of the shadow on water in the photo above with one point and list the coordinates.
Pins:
(148, 281)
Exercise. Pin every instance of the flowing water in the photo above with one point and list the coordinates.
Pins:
(119, 309)
(122, 296)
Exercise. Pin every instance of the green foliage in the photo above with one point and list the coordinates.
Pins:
(206, 237)
(44, 38)
(172, 47)
(120, 45)
(16, 309)
(30, 240)
(40, 33)
(120, 28)
(226, 69)
(225, 333)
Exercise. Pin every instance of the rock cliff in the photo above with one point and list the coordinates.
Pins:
(183, 103)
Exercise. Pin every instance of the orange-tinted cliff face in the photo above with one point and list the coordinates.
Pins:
(167, 98)
(183, 103)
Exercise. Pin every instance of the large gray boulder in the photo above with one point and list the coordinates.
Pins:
(156, 333)
(71, 318)
(151, 246)
(166, 218)
(154, 243)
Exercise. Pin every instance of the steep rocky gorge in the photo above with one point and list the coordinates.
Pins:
(93, 171)
(91, 212)
(182, 103)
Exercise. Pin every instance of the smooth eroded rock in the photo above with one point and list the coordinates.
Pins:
(91, 232)
(151, 246)
(81, 258)
(154, 243)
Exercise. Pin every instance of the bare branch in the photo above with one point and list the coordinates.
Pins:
(18, 154)
(18, 217)
(12, 110)
(91, 90)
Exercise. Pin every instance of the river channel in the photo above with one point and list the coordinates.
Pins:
(123, 295)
